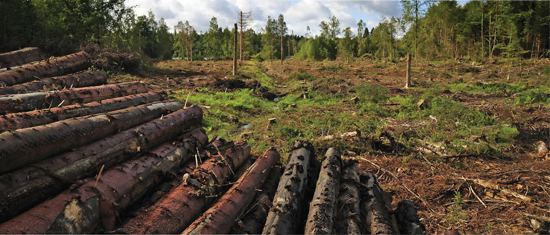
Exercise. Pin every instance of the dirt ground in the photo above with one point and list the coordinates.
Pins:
(459, 194)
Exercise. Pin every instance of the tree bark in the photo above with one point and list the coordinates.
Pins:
(235, 51)
(82, 208)
(47, 68)
(183, 204)
(26, 146)
(322, 207)
(21, 57)
(408, 219)
(24, 188)
(408, 81)
(14, 121)
(348, 219)
(220, 217)
(82, 79)
(376, 215)
(241, 46)
(285, 215)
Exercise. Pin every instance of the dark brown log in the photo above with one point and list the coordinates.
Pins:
(220, 217)
(375, 211)
(253, 220)
(348, 218)
(83, 207)
(31, 185)
(408, 219)
(285, 215)
(25, 146)
(321, 210)
(181, 206)
(44, 100)
(46, 68)
(14, 121)
(82, 79)
(21, 57)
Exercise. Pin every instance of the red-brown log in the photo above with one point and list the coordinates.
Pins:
(348, 214)
(24, 188)
(46, 68)
(182, 205)
(220, 217)
(82, 79)
(14, 121)
(83, 207)
(26, 146)
(21, 57)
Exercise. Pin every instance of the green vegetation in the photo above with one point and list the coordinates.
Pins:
(456, 213)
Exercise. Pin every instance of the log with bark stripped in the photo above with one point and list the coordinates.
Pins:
(82, 79)
(220, 217)
(348, 218)
(25, 146)
(14, 121)
(85, 206)
(321, 211)
(24, 188)
(46, 68)
(21, 57)
(375, 210)
(182, 205)
(285, 215)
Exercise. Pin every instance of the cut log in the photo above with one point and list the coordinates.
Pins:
(375, 212)
(46, 68)
(285, 215)
(408, 219)
(21, 57)
(31, 185)
(82, 79)
(321, 210)
(44, 100)
(182, 205)
(14, 121)
(220, 217)
(25, 146)
(83, 207)
(253, 220)
(348, 220)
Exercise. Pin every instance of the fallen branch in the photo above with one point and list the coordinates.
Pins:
(491, 185)
(82, 79)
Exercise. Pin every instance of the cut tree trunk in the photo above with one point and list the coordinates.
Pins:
(408, 219)
(85, 206)
(182, 205)
(24, 188)
(21, 57)
(45, 100)
(375, 211)
(14, 121)
(348, 220)
(321, 211)
(46, 68)
(284, 216)
(82, 79)
(220, 217)
(26, 146)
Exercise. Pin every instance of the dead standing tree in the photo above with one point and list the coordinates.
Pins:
(244, 20)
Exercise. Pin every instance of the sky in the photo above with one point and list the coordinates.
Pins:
(298, 14)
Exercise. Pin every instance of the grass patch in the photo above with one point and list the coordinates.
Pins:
(300, 75)
(330, 68)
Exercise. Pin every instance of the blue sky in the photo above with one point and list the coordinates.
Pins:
(298, 14)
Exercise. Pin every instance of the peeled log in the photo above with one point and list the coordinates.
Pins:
(24, 188)
(82, 208)
(284, 216)
(21, 57)
(44, 100)
(82, 79)
(376, 215)
(46, 68)
(321, 211)
(220, 217)
(408, 219)
(183, 204)
(348, 218)
(25, 146)
(14, 121)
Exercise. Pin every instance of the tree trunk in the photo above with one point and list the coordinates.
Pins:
(282, 51)
(14, 121)
(82, 208)
(26, 146)
(241, 46)
(348, 219)
(183, 204)
(408, 81)
(285, 215)
(46, 68)
(235, 51)
(82, 79)
(220, 217)
(322, 208)
(191, 45)
(408, 219)
(376, 214)
(28, 186)
(21, 57)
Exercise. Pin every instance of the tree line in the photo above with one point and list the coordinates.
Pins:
(426, 29)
